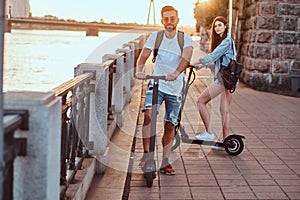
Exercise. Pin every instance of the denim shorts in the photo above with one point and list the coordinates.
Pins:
(172, 105)
(218, 82)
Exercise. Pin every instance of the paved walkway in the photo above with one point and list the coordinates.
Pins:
(268, 168)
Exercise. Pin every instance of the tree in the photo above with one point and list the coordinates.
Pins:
(206, 11)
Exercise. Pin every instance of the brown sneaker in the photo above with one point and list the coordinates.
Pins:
(167, 170)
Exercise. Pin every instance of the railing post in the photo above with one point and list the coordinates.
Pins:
(137, 49)
(126, 73)
(130, 60)
(37, 175)
(118, 86)
(98, 112)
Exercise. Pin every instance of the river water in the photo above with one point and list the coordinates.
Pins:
(39, 60)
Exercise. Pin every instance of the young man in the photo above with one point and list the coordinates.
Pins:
(171, 62)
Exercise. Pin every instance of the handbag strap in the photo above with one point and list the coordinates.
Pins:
(221, 59)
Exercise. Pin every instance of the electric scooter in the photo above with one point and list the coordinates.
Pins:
(150, 168)
(233, 144)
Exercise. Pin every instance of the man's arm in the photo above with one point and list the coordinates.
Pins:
(184, 62)
(144, 55)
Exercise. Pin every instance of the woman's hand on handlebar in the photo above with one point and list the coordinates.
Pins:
(140, 75)
(172, 76)
(198, 65)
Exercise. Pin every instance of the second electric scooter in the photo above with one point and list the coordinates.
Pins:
(233, 144)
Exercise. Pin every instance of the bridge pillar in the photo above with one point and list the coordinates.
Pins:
(92, 31)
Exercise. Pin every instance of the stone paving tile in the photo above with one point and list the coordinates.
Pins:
(269, 192)
(137, 195)
(294, 196)
(261, 182)
(144, 193)
(175, 193)
(173, 181)
(285, 182)
(237, 192)
(271, 195)
(202, 181)
(280, 171)
(233, 182)
(207, 193)
(106, 193)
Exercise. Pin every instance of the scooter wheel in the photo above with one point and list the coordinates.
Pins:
(234, 145)
(149, 176)
(176, 142)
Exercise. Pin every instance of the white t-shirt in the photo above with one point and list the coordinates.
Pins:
(167, 60)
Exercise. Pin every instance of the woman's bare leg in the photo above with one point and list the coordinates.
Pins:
(209, 93)
(225, 111)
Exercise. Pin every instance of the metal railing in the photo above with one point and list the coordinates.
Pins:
(13, 147)
(82, 113)
(75, 95)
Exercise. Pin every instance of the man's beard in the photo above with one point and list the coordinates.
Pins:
(170, 27)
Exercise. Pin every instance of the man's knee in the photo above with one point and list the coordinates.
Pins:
(147, 118)
(169, 127)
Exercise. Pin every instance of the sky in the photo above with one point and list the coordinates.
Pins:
(118, 11)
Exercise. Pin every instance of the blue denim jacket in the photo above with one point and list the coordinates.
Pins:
(225, 49)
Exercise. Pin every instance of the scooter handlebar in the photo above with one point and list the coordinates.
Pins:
(192, 66)
(155, 77)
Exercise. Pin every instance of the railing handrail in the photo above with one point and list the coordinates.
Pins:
(65, 87)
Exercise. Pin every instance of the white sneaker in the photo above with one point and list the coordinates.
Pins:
(205, 136)
(217, 148)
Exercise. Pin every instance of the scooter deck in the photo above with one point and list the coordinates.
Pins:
(203, 142)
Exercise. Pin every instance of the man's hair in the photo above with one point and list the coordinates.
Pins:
(168, 8)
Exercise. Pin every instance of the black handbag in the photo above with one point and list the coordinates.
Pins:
(229, 75)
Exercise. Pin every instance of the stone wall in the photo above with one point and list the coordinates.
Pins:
(268, 34)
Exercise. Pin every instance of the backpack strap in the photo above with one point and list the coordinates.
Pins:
(221, 60)
(158, 40)
(180, 38)
(159, 37)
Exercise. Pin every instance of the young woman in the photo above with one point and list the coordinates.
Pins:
(221, 45)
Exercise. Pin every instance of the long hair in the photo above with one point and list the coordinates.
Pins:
(215, 39)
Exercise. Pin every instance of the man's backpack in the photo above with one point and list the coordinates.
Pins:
(159, 37)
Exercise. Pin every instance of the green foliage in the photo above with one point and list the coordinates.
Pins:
(205, 12)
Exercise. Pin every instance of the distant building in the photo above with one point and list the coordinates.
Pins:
(17, 8)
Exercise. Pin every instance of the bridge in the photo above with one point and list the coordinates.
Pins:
(91, 28)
